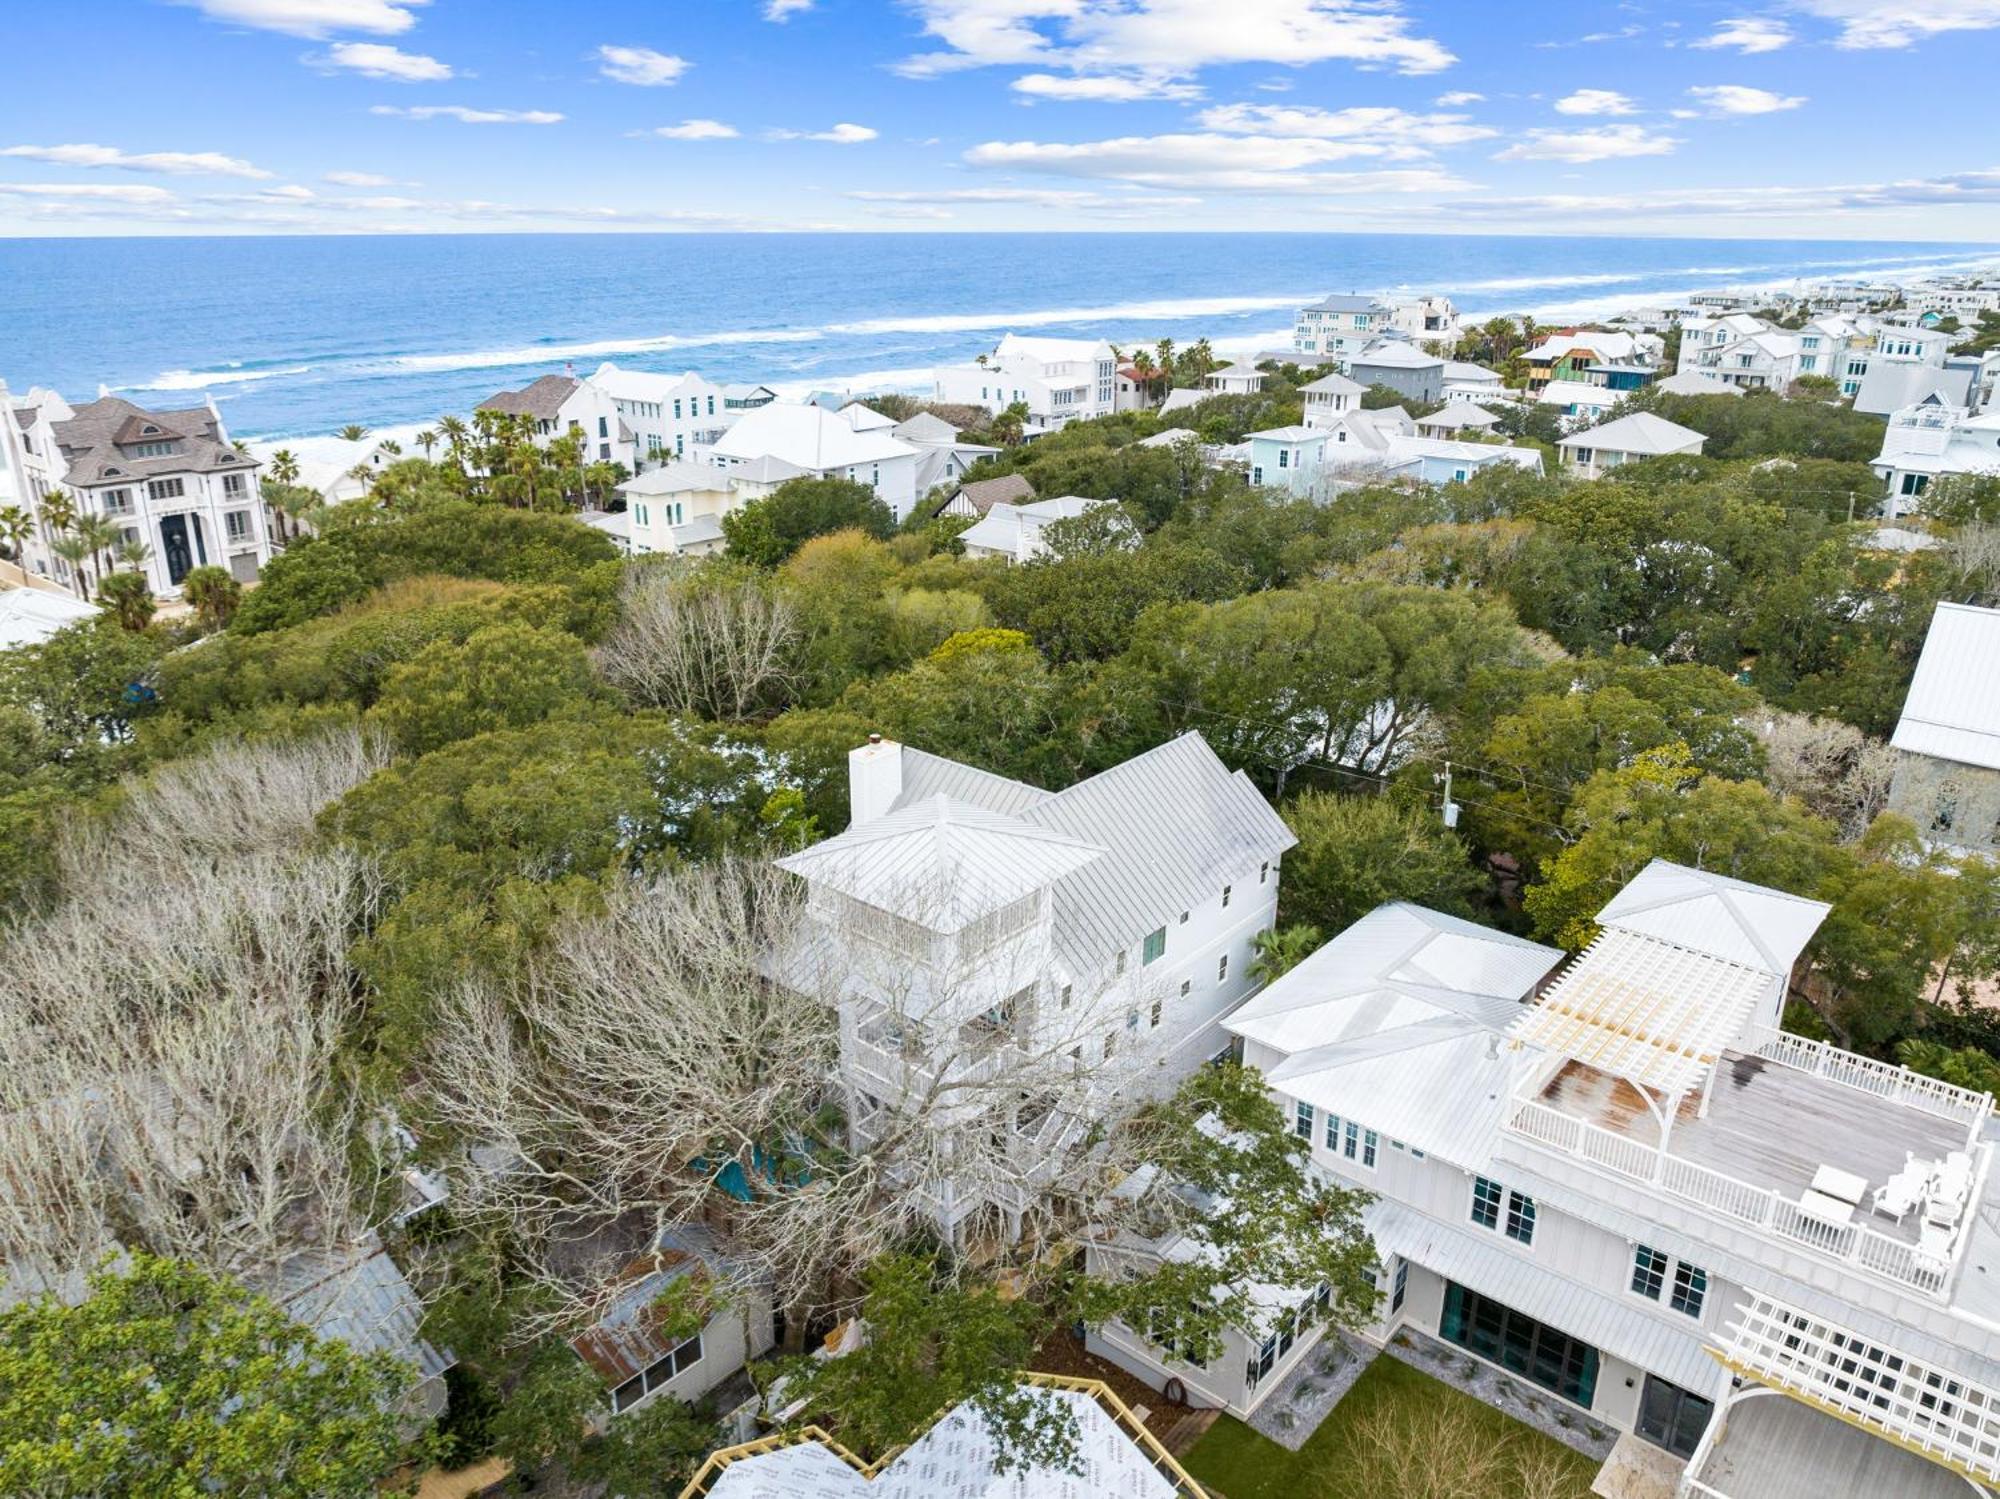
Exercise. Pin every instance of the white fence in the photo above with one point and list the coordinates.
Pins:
(1883, 1079)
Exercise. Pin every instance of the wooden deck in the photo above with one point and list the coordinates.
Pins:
(1776, 1448)
(1771, 1126)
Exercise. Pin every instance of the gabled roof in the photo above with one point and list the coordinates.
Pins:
(941, 863)
(983, 494)
(1952, 711)
(28, 616)
(1292, 434)
(1350, 302)
(1050, 350)
(1753, 925)
(809, 436)
(1641, 432)
(926, 428)
(1394, 354)
(95, 437)
(1454, 416)
(646, 385)
(1469, 374)
(1238, 371)
(863, 418)
(540, 399)
(1335, 384)
(676, 477)
(1693, 383)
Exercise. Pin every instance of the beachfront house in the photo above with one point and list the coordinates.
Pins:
(1234, 380)
(564, 406)
(1336, 328)
(1014, 532)
(169, 481)
(1402, 367)
(669, 416)
(1947, 776)
(810, 440)
(1632, 1190)
(1595, 452)
(968, 926)
(1930, 440)
(1288, 458)
(1059, 380)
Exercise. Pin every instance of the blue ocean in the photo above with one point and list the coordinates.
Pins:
(298, 336)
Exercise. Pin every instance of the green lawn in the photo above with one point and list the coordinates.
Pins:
(1398, 1434)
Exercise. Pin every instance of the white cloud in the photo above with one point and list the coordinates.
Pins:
(467, 116)
(640, 65)
(1748, 34)
(106, 192)
(1169, 37)
(167, 163)
(316, 19)
(1457, 97)
(693, 130)
(363, 179)
(1603, 143)
(842, 134)
(1109, 89)
(1035, 197)
(784, 10)
(290, 193)
(1870, 24)
(380, 60)
(1738, 99)
(1223, 163)
(1774, 202)
(1595, 101)
(1368, 131)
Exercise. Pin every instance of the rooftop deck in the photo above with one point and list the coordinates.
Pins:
(1773, 1447)
(1771, 1126)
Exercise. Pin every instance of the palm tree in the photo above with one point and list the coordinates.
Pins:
(284, 467)
(1280, 951)
(1200, 357)
(101, 534)
(74, 550)
(427, 440)
(353, 433)
(132, 553)
(58, 511)
(129, 597)
(390, 446)
(16, 526)
(1163, 355)
(455, 432)
(365, 474)
(1142, 366)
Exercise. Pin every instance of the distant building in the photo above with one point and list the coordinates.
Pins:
(1335, 329)
(1947, 778)
(1595, 452)
(1592, 356)
(1234, 380)
(1403, 368)
(812, 440)
(563, 406)
(668, 416)
(1059, 380)
(1931, 440)
(1013, 533)
(978, 498)
(1456, 417)
(1288, 458)
(1330, 397)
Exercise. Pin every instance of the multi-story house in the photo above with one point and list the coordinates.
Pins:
(1906, 365)
(1594, 356)
(667, 415)
(1335, 329)
(1329, 398)
(1947, 776)
(1930, 440)
(810, 440)
(1402, 367)
(170, 481)
(1630, 1188)
(1059, 380)
(556, 406)
(1052, 956)
(1704, 336)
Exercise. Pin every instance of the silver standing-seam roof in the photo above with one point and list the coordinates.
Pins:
(1711, 913)
(1953, 708)
(362, 1299)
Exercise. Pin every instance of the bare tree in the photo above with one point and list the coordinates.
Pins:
(1835, 769)
(717, 643)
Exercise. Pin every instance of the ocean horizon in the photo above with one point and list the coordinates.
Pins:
(297, 336)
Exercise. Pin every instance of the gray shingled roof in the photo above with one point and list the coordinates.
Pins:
(96, 443)
(541, 399)
(1175, 824)
(1010, 489)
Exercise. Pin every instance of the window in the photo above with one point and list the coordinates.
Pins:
(118, 501)
(1400, 1287)
(1649, 1272)
(1264, 872)
(1365, 1141)
(604, 426)
(1520, 1218)
(1915, 483)
(1121, 960)
(1155, 947)
(1690, 1289)
(1222, 969)
(1333, 1132)
(1284, 458)
(1486, 1199)
(152, 449)
(1156, 1014)
(1187, 987)
(232, 483)
(1302, 1123)
(1225, 897)
(1184, 918)
(236, 525)
(1110, 1044)
(1065, 996)
(165, 489)
(1132, 1021)
(654, 1376)
(1495, 1331)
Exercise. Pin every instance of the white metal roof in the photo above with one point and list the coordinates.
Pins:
(1482, 1263)
(1454, 415)
(1050, 350)
(1953, 708)
(1641, 432)
(810, 436)
(28, 616)
(1335, 384)
(1394, 354)
(955, 1459)
(1644, 1010)
(1730, 919)
(941, 863)
(646, 385)
(676, 477)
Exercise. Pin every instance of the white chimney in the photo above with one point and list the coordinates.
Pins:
(874, 779)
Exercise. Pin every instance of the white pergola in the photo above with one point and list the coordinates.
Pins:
(1655, 1014)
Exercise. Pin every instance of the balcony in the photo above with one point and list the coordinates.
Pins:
(1750, 1151)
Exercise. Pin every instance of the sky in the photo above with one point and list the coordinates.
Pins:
(1826, 119)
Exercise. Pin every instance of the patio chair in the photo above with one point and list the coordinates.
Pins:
(1898, 1197)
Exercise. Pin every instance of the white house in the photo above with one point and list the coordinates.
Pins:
(1288, 458)
(171, 481)
(1013, 533)
(960, 909)
(1330, 397)
(813, 440)
(1454, 417)
(564, 406)
(1906, 365)
(669, 416)
(1059, 379)
(1472, 382)
(1947, 776)
(1702, 337)
(1695, 382)
(942, 456)
(1929, 440)
(1593, 453)
(1234, 380)
(1579, 400)
(29, 616)
(1440, 460)
(677, 508)
(1632, 1190)
(1335, 329)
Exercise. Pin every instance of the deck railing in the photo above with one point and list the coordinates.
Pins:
(1882, 1079)
(1763, 1208)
